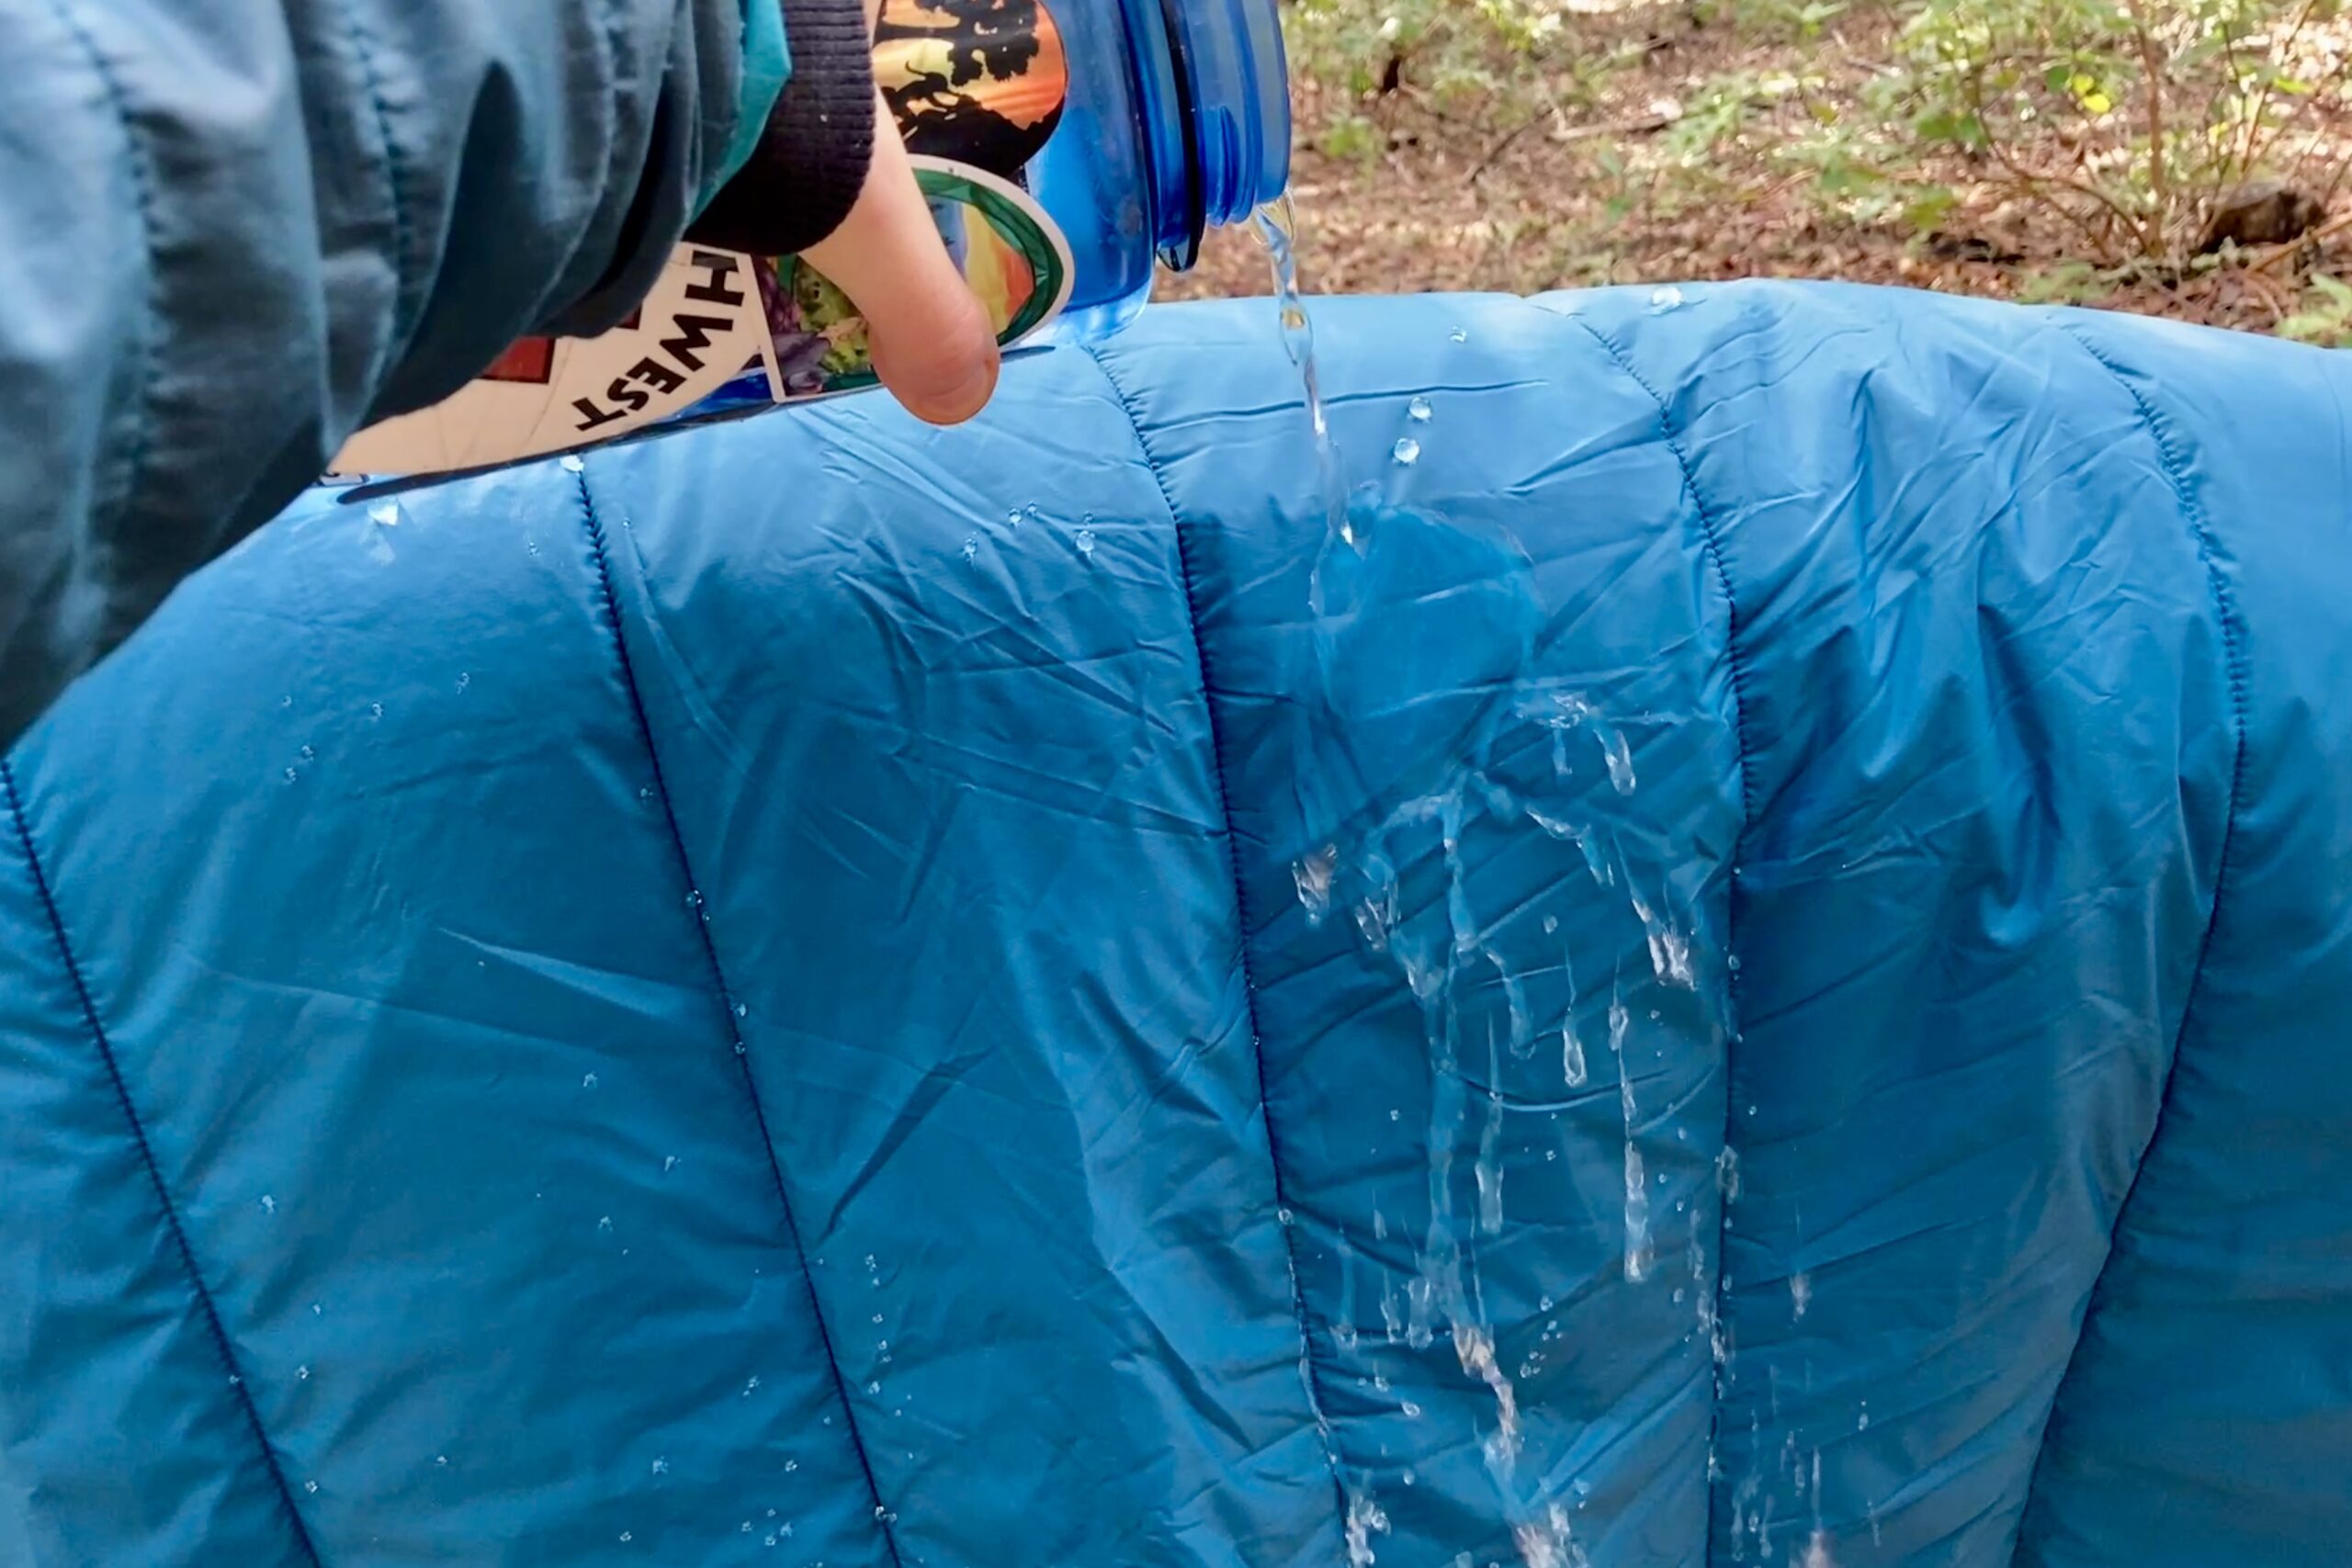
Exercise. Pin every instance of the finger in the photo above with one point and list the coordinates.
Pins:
(932, 345)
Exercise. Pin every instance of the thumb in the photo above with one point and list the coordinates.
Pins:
(932, 345)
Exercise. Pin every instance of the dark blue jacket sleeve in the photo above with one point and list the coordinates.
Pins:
(236, 231)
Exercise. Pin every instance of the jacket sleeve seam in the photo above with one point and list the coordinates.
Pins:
(609, 608)
(1713, 545)
(395, 187)
(139, 166)
(1202, 668)
(2193, 517)
(239, 1388)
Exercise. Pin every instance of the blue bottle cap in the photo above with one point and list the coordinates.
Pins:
(1217, 97)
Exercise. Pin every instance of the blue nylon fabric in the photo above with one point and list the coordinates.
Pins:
(994, 998)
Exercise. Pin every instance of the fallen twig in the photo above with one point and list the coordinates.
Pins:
(1648, 125)
(2277, 253)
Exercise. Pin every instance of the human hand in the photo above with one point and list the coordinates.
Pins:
(931, 342)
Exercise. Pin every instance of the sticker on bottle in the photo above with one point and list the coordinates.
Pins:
(722, 332)
(1013, 258)
(697, 330)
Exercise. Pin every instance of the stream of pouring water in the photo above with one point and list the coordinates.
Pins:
(1277, 227)
(1372, 567)
(1443, 1297)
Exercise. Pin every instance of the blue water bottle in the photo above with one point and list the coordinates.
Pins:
(1065, 146)
(1178, 121)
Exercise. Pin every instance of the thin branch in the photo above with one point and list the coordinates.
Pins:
(2254, 148)
(2268, 260)
(2039, 185)
(2159, 180)
(1645, 126)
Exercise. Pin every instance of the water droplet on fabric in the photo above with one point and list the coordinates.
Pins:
(268, 1204)
(605, 1224)
(874, 1386)
(1407, 452)
(1012, 518)
(465, 678)
(1283, 1215)
(789, 1466)
(972, 548)
(743, 1010)
(572, 464)
(317, 1311)
(589, 1082)
(1086, 543)
(291, 776)
(1461, 334)
(1418, 410)
(385, 514)
(1313, 876)
(1663, 299)
(660, 1467)
(441, 1460)
(310, 753)
(309, 1486)
(376, 710)
(302, 1374)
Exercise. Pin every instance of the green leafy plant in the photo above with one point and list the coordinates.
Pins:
(2131, 121)
(2327, 315)
(1490, 63)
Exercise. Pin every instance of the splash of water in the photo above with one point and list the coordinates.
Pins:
(1365, 1520)
(1312, 875)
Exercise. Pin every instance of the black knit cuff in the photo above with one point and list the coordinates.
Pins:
(812, 161)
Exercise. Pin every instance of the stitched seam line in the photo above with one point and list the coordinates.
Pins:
(1308, 1375)
(2200, 529)
(1710, 533)
(142, 181)
(395, 182)
(598, 546)
(242, 1391)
